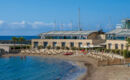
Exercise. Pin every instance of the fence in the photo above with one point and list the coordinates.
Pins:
(114, 62)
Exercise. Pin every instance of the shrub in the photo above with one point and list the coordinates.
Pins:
(107, 50)
(62, 47)
(40, 47)
(121, 52)
(48, 47)
(80, 48)
(117, 51)
(74, 48)
(99, 49)
(128, 53)
(125, 53)
(57, 47)
(113, 51)
(67, 48)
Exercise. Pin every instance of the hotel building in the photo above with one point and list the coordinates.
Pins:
(116, 39)
(69, 39)
(126, 23)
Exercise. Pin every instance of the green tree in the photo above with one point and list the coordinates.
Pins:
(15, 40)
(21, 40)
(125, 53)
(128, 44)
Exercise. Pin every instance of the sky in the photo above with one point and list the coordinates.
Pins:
(32, 17)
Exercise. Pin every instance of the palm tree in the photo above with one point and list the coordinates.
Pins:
(21, 40)
(14, 39)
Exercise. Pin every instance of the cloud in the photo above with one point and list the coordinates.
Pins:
(1, 22)
(24, 27)
(31, 28)
(19, 23)
(38, 24)
(24, 24)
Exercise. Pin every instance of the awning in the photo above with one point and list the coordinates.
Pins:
(92, 46)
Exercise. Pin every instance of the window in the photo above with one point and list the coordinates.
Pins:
(88, 44)
(109, 46)
(122, 46)
(71, 44)
(54, 44)
(63, 44)
(35, 44)
(80, 44)
(45, 44)
(75, 37)
(116, 46)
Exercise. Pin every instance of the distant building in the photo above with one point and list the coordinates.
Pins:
(116, 39)
(126, 23)
(69, 39)
(118, 26)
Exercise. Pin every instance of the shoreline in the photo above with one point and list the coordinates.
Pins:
(80, 63)
(93, 72)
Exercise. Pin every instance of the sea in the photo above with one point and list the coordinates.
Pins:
(26, 37)
(38, 68)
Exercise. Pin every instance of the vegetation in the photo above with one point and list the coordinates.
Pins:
(117, 51)
(121, 52)
(40, 47)
(57, 47)
(73, 48)
(107, 50)
(125, 53)
(14, 39)
(48, 47)
(67, 48)
(99, 49)
(62, 47)
(19, 40)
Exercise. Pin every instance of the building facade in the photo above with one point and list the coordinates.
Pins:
(126, 23)
(116, 39)
(69, 39)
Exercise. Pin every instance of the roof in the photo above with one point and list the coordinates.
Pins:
(68, 33)
(120, 32)
(126, 20)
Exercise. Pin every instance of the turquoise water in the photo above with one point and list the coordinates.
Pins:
(37, 68)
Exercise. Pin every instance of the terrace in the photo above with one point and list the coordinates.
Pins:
(118, 34)
(66, 34)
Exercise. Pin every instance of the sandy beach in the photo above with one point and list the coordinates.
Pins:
(94, 72)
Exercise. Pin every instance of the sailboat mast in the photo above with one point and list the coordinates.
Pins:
(79, 20)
